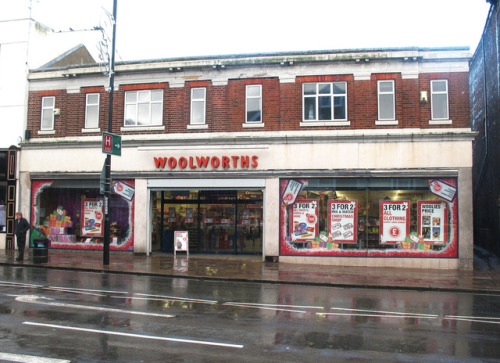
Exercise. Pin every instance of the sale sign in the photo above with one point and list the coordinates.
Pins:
(394, 221)
(443, 190)
(433, 221)
(343, 218)
(293, 189)
(305, 220)
(92, 217)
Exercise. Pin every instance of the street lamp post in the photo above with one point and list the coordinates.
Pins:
(107, 165)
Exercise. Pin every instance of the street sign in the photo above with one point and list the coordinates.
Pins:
(111, 144)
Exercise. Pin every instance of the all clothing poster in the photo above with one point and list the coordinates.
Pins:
(92, 217)
(433, 221)
(343, 220)
(305, 220)
(395, 221)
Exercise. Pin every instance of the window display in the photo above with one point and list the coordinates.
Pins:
(70, 213)
(369, 217)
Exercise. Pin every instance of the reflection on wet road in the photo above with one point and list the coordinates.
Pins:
(105, 317)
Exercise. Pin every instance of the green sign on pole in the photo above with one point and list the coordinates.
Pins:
(111, 144)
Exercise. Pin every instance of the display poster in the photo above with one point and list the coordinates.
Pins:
(394, 221)
(291, 192)
(443, 190)
(92, 217)
(343, 220)
(304, 221)
(433, 221)
(181, 241)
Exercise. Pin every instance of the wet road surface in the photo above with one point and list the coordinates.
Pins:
(105, 317)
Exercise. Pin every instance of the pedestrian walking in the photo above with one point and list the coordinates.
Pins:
(21, 226)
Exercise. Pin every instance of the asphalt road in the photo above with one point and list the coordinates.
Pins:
(101, 317)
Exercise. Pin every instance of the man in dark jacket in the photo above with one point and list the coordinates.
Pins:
(21, 226)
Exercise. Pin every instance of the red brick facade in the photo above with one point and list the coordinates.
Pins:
(281, 105)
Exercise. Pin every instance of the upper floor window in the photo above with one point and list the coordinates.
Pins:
(386, 101)
(439, 100)
(254, 103)
(143, 108)
(198, 106)
(92, 111)
(325, 101)
(48, 104)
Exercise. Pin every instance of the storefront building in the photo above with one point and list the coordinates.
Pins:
(345, 158)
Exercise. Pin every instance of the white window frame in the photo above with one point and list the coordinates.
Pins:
(434, 93)
(194, 101)
(137, 103)
(392, 93)
(48, 110)
(316, 96)
(249, 97)
(89, 105)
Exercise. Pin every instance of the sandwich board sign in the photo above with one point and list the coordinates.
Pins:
(181, 242)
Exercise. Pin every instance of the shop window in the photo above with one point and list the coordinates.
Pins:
(92, 111)
(439, 100)
(48, 107)
(143, 108)
(369, 217)
(386, 102)
(254, 103)
(324, 101)
(198, 106)
(70, 213)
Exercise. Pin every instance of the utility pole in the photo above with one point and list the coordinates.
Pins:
(107, 190)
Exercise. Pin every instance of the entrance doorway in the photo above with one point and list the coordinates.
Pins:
(218, 221)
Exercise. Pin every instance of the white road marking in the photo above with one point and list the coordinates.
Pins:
(178, 299)
(131, 335)
(29, 358)
(387, 312)
(18, 284)
(243, 305)
(274, 305)
(33, 299)
(380, 315)
(475, 319)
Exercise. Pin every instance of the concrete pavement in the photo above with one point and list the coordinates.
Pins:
(485, 278)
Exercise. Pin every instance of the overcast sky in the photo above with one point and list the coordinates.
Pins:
(151, 29)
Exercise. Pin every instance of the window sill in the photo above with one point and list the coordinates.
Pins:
(46, 132)
(253, 125)
(386, 122)
(440, 122)
(142, 128)
(89, 131)
(324, 123)
(197, 127)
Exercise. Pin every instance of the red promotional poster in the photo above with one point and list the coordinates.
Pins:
(394, 221)
(305, 220)
(92, 217)
(433, 221)
(343, 220)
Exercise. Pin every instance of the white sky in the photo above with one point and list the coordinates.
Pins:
(152, 29)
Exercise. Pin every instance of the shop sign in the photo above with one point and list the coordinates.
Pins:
(443, 190)
(205, 162)
(343, 220)
(292, 190)
(92, 218)
(395, 221)
(433, 221)
(123, 190)
(305, 220)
